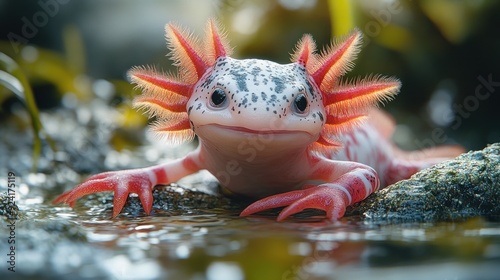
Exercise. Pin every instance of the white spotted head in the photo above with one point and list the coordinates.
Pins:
(256, 96)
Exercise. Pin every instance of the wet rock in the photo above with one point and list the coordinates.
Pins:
(467, 186)
(8, 207)
(173, 199)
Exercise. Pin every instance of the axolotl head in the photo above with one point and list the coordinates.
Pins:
(222, 99)
(241, 98)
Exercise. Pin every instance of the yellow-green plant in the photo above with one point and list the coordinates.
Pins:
(341, 17)
(13, 78)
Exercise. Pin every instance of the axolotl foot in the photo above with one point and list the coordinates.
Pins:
(139, 181)
(331, 198)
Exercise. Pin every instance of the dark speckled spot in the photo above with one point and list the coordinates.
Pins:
(321, 116)
(310, 88)
(255, 72)
(207, 82)
(241, 79)
(244, 101)
(280, 85)
(254, 97)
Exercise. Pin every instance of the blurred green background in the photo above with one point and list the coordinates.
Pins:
(445, 52)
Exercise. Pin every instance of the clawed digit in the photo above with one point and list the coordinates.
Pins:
(122, 183)
(323, 197)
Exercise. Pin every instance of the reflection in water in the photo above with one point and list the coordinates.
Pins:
(224, 246)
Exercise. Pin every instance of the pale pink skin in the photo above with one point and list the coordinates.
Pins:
(259, 145)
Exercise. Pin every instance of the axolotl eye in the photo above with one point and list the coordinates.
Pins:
(218, 98)
(300, 104)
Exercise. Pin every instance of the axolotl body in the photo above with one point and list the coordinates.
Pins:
(293, 135)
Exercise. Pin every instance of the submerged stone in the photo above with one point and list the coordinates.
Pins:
(173, 199)
(8, 207)
(467, 186)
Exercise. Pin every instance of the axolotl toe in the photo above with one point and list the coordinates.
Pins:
(287, 135)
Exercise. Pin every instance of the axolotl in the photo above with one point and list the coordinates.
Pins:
(295, 135)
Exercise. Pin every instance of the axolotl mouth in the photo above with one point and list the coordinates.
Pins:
(253, 131)
(230, 135)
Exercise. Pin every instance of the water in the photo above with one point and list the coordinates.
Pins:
(217, 244)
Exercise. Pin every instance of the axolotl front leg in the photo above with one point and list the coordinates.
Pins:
(341, 183)
(140, 181)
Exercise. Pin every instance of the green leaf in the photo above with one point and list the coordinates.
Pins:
(13, 78)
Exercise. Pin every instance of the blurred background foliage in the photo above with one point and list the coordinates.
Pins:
(443, 51)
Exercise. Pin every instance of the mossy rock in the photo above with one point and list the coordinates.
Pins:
(467, 186)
